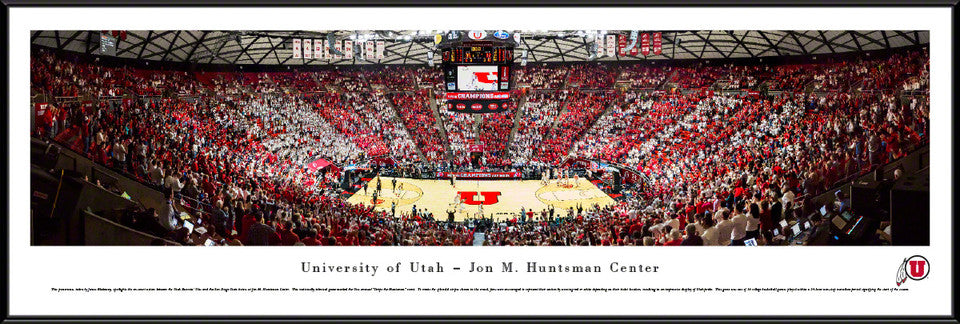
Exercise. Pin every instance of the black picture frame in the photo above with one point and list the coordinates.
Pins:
(4, 178)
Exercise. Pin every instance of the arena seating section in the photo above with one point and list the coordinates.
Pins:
(246, 136)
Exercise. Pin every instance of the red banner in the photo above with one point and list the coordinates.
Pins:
(630, 177)
(622, 45)
(479, 175)
(317, 165)
(119, 34)
(475, 147)
(41, 108)
(657, 44)
(645, 44)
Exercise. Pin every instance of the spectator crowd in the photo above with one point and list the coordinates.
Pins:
(718, 168)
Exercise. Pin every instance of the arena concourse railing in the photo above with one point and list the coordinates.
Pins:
(100, 230)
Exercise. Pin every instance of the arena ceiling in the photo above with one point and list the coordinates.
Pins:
(411, 47)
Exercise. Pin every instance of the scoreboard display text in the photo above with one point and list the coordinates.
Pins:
(478, 55)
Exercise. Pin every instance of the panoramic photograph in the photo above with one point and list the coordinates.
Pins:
(480, 137)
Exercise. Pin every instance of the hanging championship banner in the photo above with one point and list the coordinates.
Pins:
(645, 44)
(338, 46)
(380, 49)
(600, 48)
(307, 49)
(326, 50)
(317, 49)
(348, 49)
(611, 45)
(297, 51)
(657, 44)
(370, 45)
(622, 45)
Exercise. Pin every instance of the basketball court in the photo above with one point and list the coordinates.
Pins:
(500, 198)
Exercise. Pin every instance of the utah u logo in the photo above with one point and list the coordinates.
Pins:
(486, 77)
(916, 267)
(477, 34)
(489, 197)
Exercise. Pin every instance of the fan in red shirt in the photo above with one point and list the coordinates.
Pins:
(287, 236)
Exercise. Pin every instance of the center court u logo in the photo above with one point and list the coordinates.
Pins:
(489, 197)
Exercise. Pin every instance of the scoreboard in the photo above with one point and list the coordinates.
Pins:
(477, 70)
(478, 55)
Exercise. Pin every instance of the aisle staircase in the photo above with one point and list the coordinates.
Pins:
(592, 124)
(666, 80)
(398, 119)
(443, 131)
(517, 116)
(563, 110)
